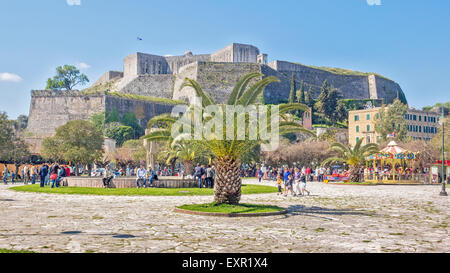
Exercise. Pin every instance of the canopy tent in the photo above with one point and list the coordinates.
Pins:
(399, 160)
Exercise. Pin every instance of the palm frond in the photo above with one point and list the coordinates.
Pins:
(206, 100)
(240, 87)
(255, 90)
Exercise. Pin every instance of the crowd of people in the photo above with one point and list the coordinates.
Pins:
(46, 175)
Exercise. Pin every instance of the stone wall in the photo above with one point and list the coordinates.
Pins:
(108, 76)
(176, 62)
(236, 53)
(144, 110)
(349, 86)
(160, 85)
(52, 109)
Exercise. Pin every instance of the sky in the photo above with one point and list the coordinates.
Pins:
(405, 40)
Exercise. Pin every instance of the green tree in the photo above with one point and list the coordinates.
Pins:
(354, 157)
(301, 93)
(437, 139)
(99, 120)
(391, 119)
(341, 113)
(13, 148)
(67, 77)
(228, 152)
(78, 142)
(21, 122)
(292, 92)
(112, 116)
(309, 99)
(129, 119)
(119, 132)
(328, 101)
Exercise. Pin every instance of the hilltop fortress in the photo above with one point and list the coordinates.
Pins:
(149, 85)
(162, 76)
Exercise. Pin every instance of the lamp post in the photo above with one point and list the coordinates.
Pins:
(443, 192)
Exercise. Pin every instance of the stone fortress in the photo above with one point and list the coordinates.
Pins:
(160, 77)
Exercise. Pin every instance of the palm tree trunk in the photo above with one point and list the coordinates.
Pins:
(188, 167)
(227, 182)
(354, 173)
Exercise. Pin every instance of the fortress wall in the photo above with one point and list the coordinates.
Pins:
(160, 85)
(245, 53)
(387, 89)
(219, 79)
(276, 92)
(350, 86)
(144, 110)
(108, 76)
(237, 53)
(176, 62)
(140, 63)
(130, 66)
(224, 55)
(188, 71)
(51, 109)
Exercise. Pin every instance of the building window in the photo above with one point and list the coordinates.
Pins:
(420, 129)
(420, 118)
(368, 128)
(414, 117)
(357, 139)
(357, 128)
(356, 118)
(368, 116)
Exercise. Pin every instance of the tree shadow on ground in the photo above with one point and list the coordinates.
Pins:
(322, 212)
(76, 232)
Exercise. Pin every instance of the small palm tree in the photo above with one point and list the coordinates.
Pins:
(227, 153)
(186, 152)
(354, 157)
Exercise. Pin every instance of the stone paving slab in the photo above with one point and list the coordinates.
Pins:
(333, 219)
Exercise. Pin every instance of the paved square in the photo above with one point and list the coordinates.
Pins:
(334, 219)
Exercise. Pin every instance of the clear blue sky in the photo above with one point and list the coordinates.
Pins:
(405, 40)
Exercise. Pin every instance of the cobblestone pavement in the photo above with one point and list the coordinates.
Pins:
(333, 219)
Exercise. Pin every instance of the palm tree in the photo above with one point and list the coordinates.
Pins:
(354, 157)
(228, 152)
(186, 152)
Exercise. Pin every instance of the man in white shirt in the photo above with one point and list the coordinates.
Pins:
(141, 174)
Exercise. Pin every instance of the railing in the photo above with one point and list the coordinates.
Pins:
(425, 179)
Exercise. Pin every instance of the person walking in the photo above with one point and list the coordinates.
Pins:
(260, 174)
(297, 178)
(308, 174)
(141, 174)
(303, 185)
(24, 175)
(198, 175)
(286, 175)
(209, 176)
(5, 175)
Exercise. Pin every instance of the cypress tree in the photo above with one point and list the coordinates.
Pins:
(292, 93)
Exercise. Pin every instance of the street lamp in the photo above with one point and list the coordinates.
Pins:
(443, 192)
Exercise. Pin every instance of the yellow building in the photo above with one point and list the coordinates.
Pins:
(422, 125)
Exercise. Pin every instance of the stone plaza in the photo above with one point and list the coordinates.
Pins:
(335, 218)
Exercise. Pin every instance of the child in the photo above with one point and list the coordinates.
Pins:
(303, 185)
(279, 182)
